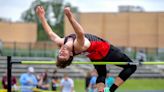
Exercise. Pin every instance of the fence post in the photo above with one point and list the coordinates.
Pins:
(30, 49)
(15, 47)
(9, 75)
(45, 48)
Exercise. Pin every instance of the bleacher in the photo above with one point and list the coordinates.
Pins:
(75, 71)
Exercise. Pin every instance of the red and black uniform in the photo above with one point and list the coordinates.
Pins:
(98, 49)
(101, 50)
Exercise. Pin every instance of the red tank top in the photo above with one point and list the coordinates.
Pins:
(98, 49)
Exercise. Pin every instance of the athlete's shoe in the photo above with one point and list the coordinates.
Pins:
(106, 89)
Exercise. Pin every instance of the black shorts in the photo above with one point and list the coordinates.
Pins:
(115, 55)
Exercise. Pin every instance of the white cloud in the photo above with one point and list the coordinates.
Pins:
(12, 9)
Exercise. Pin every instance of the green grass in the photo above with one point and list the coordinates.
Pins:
(143, 84)
(131, 84)
(79, 85)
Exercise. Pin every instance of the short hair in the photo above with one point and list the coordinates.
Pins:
(63, 63)
(31, 69)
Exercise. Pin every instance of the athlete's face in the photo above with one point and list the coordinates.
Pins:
(64, 53)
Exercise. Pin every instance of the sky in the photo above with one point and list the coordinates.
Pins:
(12, 9)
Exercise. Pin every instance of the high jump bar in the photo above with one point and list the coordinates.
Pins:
(89, 62)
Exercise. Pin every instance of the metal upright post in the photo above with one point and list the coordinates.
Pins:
(9, 68)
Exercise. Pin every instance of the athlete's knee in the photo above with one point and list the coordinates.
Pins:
(127, 71)
(133, 68)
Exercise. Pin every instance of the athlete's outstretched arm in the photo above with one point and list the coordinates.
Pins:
(53, 36)
(76, 26)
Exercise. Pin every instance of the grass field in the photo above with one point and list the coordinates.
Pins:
(131, 84)
(143, 84)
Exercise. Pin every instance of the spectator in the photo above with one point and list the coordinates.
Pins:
(4, 81)
(92, 83)
(67, 84)
(43, 81)
(54, 81)
(87, 80)
(28, 80)
(109, 79)
(140, 56)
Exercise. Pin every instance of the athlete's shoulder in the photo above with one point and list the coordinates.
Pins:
(94, 37)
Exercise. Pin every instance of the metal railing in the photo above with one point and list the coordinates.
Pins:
(39, 49)
(48, 49)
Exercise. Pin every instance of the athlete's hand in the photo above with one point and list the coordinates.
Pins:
(40, 12)
(68, 12)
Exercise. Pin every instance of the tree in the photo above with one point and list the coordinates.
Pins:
(54, 16)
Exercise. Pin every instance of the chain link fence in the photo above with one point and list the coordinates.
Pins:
(49, 49)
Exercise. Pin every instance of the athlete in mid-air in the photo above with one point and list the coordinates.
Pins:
(96, 48)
